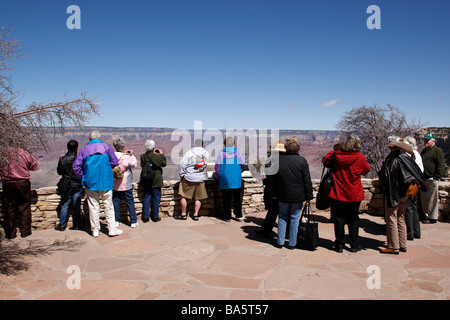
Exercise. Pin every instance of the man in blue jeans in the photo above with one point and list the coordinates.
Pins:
(292, 187)
(71, 188)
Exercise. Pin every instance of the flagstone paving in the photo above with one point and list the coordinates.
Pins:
(216, 260)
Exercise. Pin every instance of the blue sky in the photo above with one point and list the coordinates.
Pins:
(261, 64)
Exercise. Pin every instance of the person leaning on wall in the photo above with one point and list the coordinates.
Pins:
(228, 168)
(192, 171)
(70, 187)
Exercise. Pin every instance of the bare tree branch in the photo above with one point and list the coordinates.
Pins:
(27, 127)
(374, 124)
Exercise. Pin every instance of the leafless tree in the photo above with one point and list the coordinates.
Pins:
(27, 127)
(374, 124)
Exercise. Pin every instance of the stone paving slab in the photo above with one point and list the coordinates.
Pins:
(211, 259)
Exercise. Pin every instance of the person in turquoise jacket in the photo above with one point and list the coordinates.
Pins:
(228, 168)
(93, 166)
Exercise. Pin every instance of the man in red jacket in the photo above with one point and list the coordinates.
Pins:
(17, 192)
(347, 191)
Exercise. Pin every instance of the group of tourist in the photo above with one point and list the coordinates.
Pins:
(107, 174)
(404, 175)
(228, 170)
(93, 168)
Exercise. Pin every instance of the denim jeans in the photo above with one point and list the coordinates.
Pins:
(150, 193)
(73, 194)
(129, 201)
(292, 212)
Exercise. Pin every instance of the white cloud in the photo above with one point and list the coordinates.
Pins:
(331, 103)
(289, 105)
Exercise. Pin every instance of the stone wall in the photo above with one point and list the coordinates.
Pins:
(375, 201)
(45, 204)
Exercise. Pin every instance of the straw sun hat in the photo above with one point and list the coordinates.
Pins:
(403, 144)
(279, 146)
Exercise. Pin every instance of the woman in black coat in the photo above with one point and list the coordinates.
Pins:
(292, 187)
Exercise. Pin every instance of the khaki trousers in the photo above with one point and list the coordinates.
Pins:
(430, 199)
(93, 199)
(396, 226)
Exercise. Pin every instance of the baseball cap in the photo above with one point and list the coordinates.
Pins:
(429, 136)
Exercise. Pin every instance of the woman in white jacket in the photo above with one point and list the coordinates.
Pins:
(192, 171)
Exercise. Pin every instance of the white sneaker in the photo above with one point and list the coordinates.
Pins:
(95, 233)
(117, 224)
(118, 232)
(134, 225)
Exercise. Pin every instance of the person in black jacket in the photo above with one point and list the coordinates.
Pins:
(292, 187)
(70, 188)
(270, 203)
(398, 173)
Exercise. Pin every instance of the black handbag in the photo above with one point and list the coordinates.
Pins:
(308, 231)
(323, 201)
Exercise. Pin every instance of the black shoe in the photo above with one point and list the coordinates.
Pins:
(279, 246)
(290, 247)
(145, 220)
(355, 248)
(60, 228)
(429, 221)
(156, 219)
(402, 249)
(338, 249)
(26, 234)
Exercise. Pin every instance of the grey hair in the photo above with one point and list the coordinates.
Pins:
(393, 139)
(353, 144)
(94, 135)
(149, 145)
(412, 141)
(119, 143)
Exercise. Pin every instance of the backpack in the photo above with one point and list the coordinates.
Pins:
(147, 174)
(117, 172)
(63, 184)
(323, 202)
